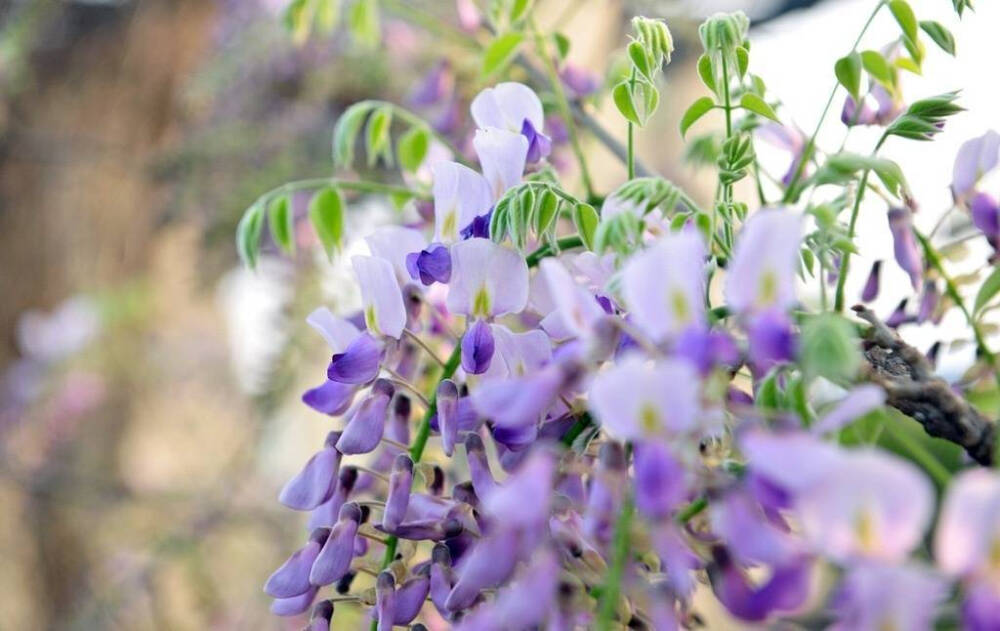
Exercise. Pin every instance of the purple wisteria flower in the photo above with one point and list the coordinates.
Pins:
(762, 272)
(976, 158)
(905, 247)
(513, 107)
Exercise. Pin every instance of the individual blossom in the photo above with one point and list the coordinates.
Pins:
(460, 195)
(967, 544)
(664, 286)
(637, 399)
(871, 288)
(478, 347)
(513, 107)
(517, 354)
(502, 156)
(660, 479)
(772, 339)
(394, 244)
(522, 604)
(887, 108)
(488, 280)
(986, 216)
(904, 245)
(975, 158)
(576, 312)
(430, 265)
(579, 82)
(292, 578)
(381, 298)
(762, 271)
(520, 403)
(316, 482)
(334, 560)
(364, 428)
(785, 590)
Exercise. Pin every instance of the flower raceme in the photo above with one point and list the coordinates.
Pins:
(528, 435)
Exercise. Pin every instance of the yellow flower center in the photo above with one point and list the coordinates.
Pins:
(481, 303)
(680, 307)
(768, 290)
(370, 320)
(649, 418)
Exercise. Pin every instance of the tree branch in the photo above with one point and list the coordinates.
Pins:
(912, 388)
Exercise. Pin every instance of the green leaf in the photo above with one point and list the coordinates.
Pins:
(326, 213)
(585, 218)
(500, 52)
(298, 20)
(498, 220)
(742, 60)
(412, 148)
(346, 131)
(637, 53)
(848, 71)
(363, 22)
(248, 234)
(280, 221)
(562, 45)
(545, 215)
(705, 72)
(939, 35)
(377, 139)
(915, 48)
(622, 97)
(327, 14)
(878, 67)
(904, 15)
(830, 348)
(757, 105)
(989, 288)
(768, 394)
(518, 9)
(698, 109)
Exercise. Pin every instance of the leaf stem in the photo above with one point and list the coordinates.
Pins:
(563, 243)
(630, 162)
(811, 143)
(838, 301)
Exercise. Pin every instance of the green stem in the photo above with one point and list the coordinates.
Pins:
(360, 186)
(838, 301)
(692, 509)
(811, 143)
(563, 243)
(619, 555)
(727, 192)
(564, 110)
(630, 162)
(582, 422)
(934, 260)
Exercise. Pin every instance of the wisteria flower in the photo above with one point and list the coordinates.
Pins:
(762, 272)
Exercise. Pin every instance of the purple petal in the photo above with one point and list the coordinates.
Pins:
(772, 340)
(539, 145)
(905, 246)
(315, 483)
(364, 430)
(334, 560)
(659, 479)
(292, 578)
(487, 565)
(410, 597)
(447, 406)
(870, 291)
(398, 497)
(985, 214)
(331, 398)
(975, 158)
(477, 348)
(294, 605)
(358, 364)
(385, 600)
(859, 401)
(431, 265)
(786, 589)
(479, 466)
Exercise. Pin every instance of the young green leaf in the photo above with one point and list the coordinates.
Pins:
(705, 72)
(326, 213)
(878, 67)
(988, 290)
(363, 22)
(641, 61)
(500, 52)
(518, 9)
(327, 14)
(545, 213)
(830, 348)
(585, 218)
(248, 234)
(753, 103)
(939, 35)
(698, 109)
(412, 148)
(742, 60)
(562, 45)
(904, 15)
(622, 97)
(377, 139)
(281, 223)
(848, 71)
(346, 131)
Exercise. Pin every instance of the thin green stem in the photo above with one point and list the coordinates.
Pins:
(564, 110)
(563, 243)
(838, 301)
(630, 162)
(360, 186)
(811, 143)
(934, 260)
(727, 189)
(692, 509)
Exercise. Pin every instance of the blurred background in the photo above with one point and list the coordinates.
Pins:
(149, 385)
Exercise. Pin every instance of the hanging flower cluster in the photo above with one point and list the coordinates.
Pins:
(537, 430)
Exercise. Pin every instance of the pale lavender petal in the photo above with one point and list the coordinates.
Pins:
(394, 243)
(479, 466)
(364, 430)
(447, 411)
(975, 158)
(875, 596)
(410, 597)
(489, 564)
(292, 578)
(636, 399)
(772, 339)
(385, 600)
(337, 332)
(381, 298)
(398, 497)
(502, 155)
(985, 214)
(460, 195)
(487, 279)
(762, 271)
(539, 145)
(294, 605)
(859, 401)
(524, 498)
(334, 560)
(787, 588)
(967, 535)
(506, 106)
(660, 480)
(664, 286)
(578, 310)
